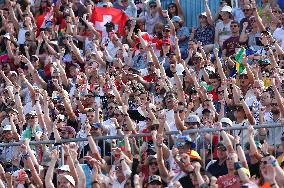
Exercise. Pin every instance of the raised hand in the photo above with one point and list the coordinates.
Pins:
(250, 130)
(237, 139)
(216, 51)
(54, 154)
(87, 127)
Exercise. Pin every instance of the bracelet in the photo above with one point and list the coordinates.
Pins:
(174, 72)
(125, 115)
(118, 127)
(89, 135)
(121, 160)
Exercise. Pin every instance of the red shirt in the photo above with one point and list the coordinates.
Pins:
(228, 181)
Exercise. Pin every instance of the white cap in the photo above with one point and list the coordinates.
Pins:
(64, 168)
(227, 120)
(7, 36)
(203, 14)
(7, 128)
(226, 9)
(68, 177)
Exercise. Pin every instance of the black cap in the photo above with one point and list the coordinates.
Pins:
(167, 27)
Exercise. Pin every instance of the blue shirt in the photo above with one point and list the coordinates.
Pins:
(205, 34)
(139, 62)
(183, 31)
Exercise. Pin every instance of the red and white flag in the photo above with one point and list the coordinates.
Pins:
(102, 15)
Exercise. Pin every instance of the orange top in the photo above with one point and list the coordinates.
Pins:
(265, 185)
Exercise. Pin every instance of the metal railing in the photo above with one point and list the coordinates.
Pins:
(144, 137)
(185, 132)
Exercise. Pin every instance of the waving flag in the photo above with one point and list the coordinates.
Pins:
(102, 15)
(45, 20)
(240, 67)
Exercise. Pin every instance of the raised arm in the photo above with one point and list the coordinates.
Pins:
(50, 171)
(29, 162)
(227, 141)
(208, 13)
(160, 159)
(92, 143)
(219, 65)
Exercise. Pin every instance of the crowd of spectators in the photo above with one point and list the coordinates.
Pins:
(62, 78)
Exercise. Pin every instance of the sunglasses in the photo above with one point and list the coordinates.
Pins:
(148, 119)
(153, 163)
(246, 10)
(264, 162)
(229, 158)
(234, 26)
(153, 6)
(274, 104)
(32, 117)
(279, 12)
(180, 144)
(64, 132)
(243, 77)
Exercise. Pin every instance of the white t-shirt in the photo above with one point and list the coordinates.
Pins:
(21, 36)
(224, 31)
(170, 116)
(116, 184)
(275, 134)
(173, 126)
(243, 134)
(278, 34)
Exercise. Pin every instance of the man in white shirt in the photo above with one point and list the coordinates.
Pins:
(122, 173)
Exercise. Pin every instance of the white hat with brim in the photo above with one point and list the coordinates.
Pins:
(226, 9)
(227, 120)
(64, 168)
(203, 14)
(68, 177)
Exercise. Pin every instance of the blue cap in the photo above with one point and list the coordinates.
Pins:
(176, 19)
(97, 125)
(187, 139)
